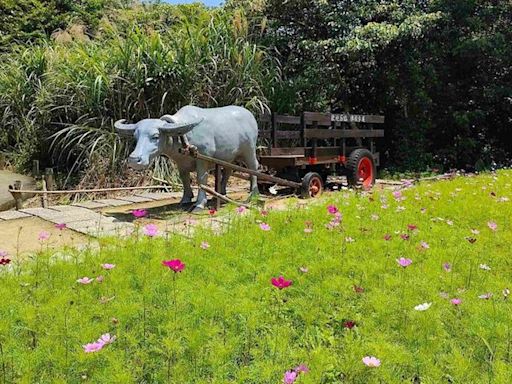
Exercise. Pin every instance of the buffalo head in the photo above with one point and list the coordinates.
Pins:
(151, 136)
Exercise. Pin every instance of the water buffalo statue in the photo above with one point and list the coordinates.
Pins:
(227, 133)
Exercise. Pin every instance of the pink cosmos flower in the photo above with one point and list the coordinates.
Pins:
(204, 245)
(3, 253)
(85, 280)
(43, 235)
(404, 236)
(485, 296)
(138, 213)
(280, 282)
(447, 267)
(387, 237)
(264, 213)
(371, 361)
(492, 226)
(289, 377)
(349, 324)
(150, 230)
(332, 209)
(60, 226)
(265, 227)
(412, 227)
(303, 269)
(212, 212)
(241, 210)
(424, 245)
(108, 266)
(403, 262)
(397, 195)
(100, 279)
(107, 339)
(176, 265)
(93, 347)
(456, 301)
(302, 368)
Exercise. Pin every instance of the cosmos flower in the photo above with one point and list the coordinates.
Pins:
(240, 210)
(403, 262)
(349, 324)
(204, 245)
(422, 307)
(424, 245)
(456, 301)
(60, 226)
(176, 265)
(212, 212)
(485, 267)
(3, 253)
(108, 266)
(280, 282)
(447, 267)
(43, 235)
(485, 296)
(150, 230)
(371, 361)
(289, 377)
(492, 226)
(138, 213)
(265, 227)
(85, 280)
(387, 237)
(332, 209)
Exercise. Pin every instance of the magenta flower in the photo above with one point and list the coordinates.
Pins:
(138, 213)
(60, 226)
(349, 324)
(265, 227)
(108, 266)
(492, 226)
(85, 280)
(403, 262)
(456, 301)
(4, 261)
(412, 227)
(150, 230)
(204, 245)
(241, 210)
(43, 235)
(387, 237)
(289, 377)
(280, 282)
(212, 212)
(332, 209)
(397, 195)
(371, 361)
(100, 279)
(447, 267)
(176, 265)
(404, 236)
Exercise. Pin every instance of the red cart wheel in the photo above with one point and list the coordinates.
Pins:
(361, 168)
(312, 185)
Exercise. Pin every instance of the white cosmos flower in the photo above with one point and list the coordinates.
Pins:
(485, 267)
(273, 190)
(423, 307)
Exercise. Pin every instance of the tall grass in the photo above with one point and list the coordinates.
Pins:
(66, 96)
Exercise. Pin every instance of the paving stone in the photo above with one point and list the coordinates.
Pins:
(161, 195)
(113, 202)
(43, 213)
(13, 215)
(135, 199)
(90, 204)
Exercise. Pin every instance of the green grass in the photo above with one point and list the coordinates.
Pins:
(221, 321)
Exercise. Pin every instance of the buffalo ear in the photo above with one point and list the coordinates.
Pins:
(124, 129)
(168, 119)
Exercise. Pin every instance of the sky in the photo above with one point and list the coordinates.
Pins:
(210, 3)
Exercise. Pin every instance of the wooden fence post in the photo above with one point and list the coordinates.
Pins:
(50, 179)
(17, 196)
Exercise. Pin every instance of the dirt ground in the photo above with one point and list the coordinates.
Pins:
(20, 236)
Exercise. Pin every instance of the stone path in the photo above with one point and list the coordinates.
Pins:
(84, 218)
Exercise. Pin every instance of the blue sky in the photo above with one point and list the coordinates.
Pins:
(206, 2)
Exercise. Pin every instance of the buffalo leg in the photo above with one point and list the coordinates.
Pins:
(188, 195)
(252, 163)
(225, 178)
(202, 178)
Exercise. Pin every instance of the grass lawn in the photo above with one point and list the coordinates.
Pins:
(220, 320)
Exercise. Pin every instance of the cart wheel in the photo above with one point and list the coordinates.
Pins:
(312, 185)
(361, 168)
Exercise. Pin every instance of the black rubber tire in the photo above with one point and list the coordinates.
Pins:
(307, 181)
(352, 166)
